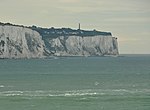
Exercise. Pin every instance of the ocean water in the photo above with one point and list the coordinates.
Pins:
(76, 83)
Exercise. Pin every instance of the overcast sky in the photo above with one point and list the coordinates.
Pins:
(129, 20)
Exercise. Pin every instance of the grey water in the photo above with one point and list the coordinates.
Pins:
(76, 83)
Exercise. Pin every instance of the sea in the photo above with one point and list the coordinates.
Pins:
(76, 83)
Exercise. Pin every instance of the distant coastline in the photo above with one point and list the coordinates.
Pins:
(18, 41)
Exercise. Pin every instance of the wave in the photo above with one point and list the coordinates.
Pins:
(89, 92)
(5, 86)
(1, 86)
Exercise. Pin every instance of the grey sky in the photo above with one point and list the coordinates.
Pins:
(129, 20)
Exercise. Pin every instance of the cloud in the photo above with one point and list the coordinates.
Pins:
(129, 19)
(69, 1)
(80, 6)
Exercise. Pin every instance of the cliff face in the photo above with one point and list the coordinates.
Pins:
(28, 42)
(20, 42)
(82, 46)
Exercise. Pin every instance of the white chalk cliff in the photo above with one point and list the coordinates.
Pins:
(20, 42)
(83, 46)
(25, 42)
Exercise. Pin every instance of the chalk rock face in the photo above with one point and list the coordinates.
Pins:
(82, 46)
(32, 42)
(20, 42)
